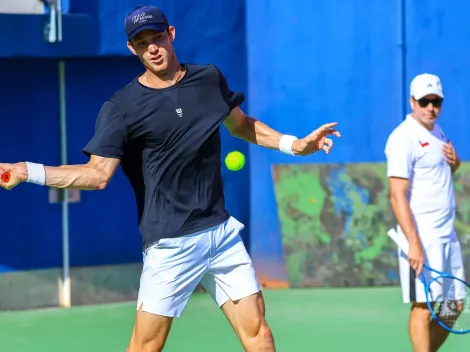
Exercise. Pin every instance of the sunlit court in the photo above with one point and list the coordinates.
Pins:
(349, 319)
(263, 175)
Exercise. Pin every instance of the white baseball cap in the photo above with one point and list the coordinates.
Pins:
(425, 84)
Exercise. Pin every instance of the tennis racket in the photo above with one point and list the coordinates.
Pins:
(5, 176)
(452, 309)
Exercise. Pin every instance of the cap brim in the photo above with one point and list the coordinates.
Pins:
(429, 92)
(159, 27)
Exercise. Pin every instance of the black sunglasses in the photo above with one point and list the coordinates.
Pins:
(423, 102)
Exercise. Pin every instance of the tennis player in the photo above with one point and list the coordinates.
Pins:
(420, 164)
(163, 129)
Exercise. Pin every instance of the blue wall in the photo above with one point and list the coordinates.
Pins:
(436, 42)
(320, 64)
(30, 230)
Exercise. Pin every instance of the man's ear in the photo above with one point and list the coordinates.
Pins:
(172, 33)
(131, 48)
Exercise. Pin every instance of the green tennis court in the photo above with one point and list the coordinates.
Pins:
(343, 319)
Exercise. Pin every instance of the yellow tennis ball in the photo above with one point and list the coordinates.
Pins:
(235, 161)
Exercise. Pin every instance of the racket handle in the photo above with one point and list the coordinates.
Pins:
(5, 176)
(399, 239)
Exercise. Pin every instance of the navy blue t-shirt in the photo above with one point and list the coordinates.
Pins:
(168, 141)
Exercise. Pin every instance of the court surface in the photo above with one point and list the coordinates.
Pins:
(330, 320)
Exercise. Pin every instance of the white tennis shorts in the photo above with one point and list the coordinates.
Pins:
(216, 258)
(445, 256)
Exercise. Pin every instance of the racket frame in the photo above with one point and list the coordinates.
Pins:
(402, 243)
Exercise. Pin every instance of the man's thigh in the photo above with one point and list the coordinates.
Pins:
(413, 289)
(172, 269)
(231, 275)
(455, 290)
(455, 260)
(247, 315)
(445, 256)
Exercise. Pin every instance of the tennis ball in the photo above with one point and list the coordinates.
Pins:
(235, 161)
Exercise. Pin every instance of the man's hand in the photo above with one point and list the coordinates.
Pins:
(317, 140)
(18, 174)
(416, 257)
(451, 156)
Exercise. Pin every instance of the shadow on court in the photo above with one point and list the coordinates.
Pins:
(333, 320)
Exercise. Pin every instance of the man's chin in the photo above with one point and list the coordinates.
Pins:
(429, 123)
(158, 68)
(430, 120)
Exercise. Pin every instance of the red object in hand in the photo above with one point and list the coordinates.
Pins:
(5, 176)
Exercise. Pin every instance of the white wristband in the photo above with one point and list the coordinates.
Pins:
(36, 173)
(285, 144)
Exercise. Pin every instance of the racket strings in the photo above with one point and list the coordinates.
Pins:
(453, 309)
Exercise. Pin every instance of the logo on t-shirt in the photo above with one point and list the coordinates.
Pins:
(424, 144)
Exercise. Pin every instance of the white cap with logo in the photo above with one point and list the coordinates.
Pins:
(426, 84)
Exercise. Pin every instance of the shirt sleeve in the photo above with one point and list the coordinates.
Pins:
(400, 157)
(232, 99)
(110, 136)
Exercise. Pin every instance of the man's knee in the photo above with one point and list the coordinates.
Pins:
(420, 311)
(257, 326)
(265, 332)
(256, 331)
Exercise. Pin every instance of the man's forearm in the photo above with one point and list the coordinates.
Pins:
(254, 131)
(84, 177)
(402, 211)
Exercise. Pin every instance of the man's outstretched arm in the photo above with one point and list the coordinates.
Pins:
(95, 175)
(255, 131)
